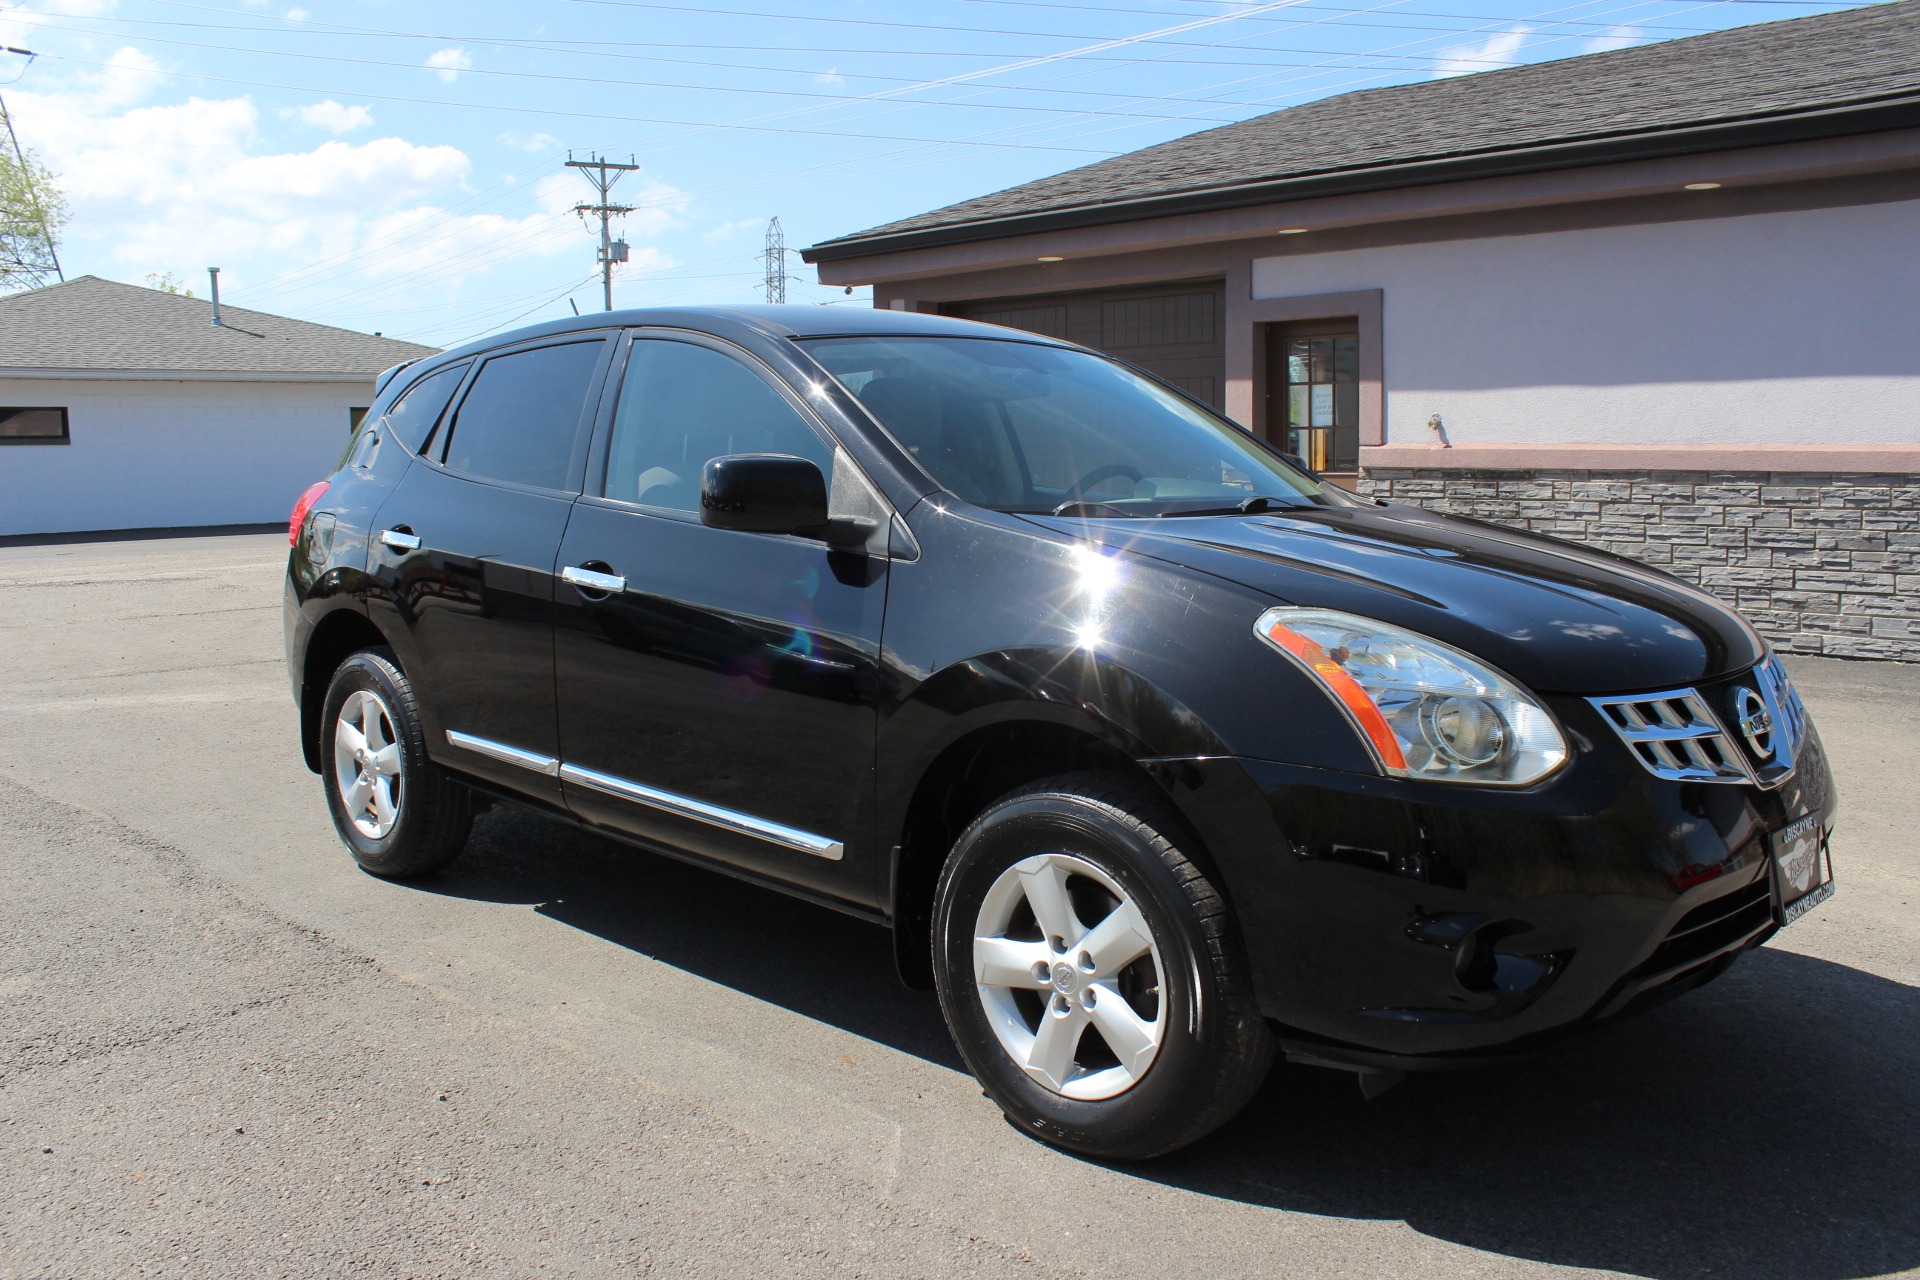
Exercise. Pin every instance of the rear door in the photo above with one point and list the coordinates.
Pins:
(463, 558)
(718, 690)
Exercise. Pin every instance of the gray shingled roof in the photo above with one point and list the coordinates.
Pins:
(90, 324)
(1755, 72)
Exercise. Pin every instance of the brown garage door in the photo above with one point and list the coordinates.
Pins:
(1176, 331)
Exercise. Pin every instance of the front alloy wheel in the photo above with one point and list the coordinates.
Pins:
(1077, 1006)
(1091, 973)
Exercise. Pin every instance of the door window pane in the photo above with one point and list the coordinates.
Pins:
(412, 419)
(1322, 398)
(520, 419)
(680, 405)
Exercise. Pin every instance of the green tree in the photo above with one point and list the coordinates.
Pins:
(165, 282)
(32, 214)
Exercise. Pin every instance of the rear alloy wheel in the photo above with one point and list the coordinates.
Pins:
(1092, 975)
(399, 812)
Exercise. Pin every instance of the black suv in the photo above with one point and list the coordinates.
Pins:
(1158, 754)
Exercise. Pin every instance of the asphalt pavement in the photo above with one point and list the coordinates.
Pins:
(224, 1051)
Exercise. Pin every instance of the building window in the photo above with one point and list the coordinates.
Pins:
(1323, 400)
(33, 426)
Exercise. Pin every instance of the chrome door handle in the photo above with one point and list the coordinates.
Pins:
(593, 580)
(400, 539)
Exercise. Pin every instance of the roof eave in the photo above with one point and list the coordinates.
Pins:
(1872, 116)
(192, 375)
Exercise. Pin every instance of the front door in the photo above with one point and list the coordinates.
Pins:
(717, 690)
(463, 558)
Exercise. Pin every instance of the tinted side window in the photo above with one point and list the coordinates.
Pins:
(681, 405)
(520, 419)
(412, 419)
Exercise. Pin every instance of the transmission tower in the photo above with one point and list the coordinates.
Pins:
(603, 174)
(775, 258)
(27, 255)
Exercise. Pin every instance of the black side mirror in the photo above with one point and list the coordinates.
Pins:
(763, 493)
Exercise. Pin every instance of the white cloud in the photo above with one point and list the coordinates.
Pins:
(174, 183)
(178, 185)
(1616, 38)
(331, 116)
(830, 76)
(728, 230)
(1502, 49)
(529, 141)
(449, 63)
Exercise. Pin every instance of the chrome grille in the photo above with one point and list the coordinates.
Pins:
(1788, 712)
(1674, 736)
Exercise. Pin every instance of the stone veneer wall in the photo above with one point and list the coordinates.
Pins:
(1822, 563)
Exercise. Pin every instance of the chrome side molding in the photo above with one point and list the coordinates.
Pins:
(665, 801)
(700, 811)
(501, 751)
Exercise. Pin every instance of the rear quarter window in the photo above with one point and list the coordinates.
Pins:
(411, 420)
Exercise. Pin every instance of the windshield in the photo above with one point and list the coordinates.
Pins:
(1032, 429)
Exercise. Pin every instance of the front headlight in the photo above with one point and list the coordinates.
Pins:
(1426, 709)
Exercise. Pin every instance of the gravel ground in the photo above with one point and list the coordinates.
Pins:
(226, 1052)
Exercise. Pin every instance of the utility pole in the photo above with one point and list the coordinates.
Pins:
(603, 173)
(28, 250)
(775, 258)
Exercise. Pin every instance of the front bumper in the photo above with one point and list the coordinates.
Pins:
(1417, 924)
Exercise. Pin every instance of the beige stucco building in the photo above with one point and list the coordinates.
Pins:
(1665, 299)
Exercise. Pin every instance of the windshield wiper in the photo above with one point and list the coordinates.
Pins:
(1082, 507)
(1245, 507)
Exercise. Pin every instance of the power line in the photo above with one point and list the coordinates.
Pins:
(522, 109)
(547, 302)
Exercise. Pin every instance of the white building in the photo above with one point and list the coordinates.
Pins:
(128, 408)
(1664, 299)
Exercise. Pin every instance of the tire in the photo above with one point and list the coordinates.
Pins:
(411, 818)
(1169, 1045)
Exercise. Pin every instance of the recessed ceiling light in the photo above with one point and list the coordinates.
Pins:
(1293, 231)
(1703, 186)
(1050, 257)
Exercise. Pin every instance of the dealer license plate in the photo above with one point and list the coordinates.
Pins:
(1802, 867)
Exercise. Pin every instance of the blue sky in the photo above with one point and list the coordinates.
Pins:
(400, 167)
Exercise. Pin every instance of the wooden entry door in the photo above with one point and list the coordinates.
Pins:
(1313, 390)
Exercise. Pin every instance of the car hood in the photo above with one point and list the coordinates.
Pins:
(1556, 616)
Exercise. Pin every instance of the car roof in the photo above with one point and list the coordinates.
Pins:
(765, 321)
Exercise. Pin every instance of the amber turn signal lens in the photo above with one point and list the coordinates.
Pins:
(1345, 688)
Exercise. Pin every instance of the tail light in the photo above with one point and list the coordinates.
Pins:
(313, 494)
